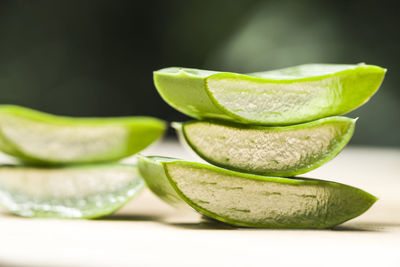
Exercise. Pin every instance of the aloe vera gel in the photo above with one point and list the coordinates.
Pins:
(79, 191)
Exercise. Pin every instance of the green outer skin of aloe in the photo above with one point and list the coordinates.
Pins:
(166, 186)
(187, 91)
(47, 208)
(337, 147)
(143, 131)
(154, 176)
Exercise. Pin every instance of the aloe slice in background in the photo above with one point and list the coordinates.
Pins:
(280, 97)
(81, 191)
(255, 201)
(277, 151)
(43, 138)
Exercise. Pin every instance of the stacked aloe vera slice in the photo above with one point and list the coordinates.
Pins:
(259, 128)
(68, 166)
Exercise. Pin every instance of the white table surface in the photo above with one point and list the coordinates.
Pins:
(147, 232)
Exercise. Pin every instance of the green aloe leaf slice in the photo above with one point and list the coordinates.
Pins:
(280, 97)
(254, 201)
(277, 151)
(81, 191)
(43, 138)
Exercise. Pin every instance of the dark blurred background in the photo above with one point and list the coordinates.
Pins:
(95, 58)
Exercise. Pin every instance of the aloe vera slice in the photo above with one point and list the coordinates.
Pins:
(255, 201)
(43, 138)
(84, 191)
(280, 97)
(277, 151)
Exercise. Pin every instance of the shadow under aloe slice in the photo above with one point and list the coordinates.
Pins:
(279, 97)
(43, 138)
(277, 151)
(84, 191)
(254, 201)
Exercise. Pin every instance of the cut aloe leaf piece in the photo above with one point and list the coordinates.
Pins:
(277, 151)
(43, 138)
(84, 191)
(280, 97)
(254, 201)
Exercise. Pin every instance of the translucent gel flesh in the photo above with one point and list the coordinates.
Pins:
(257, 101)
(269, 150)
(63, 143)
(67, 192)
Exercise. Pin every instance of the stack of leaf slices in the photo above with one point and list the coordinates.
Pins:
(259, 128)
(68, 166)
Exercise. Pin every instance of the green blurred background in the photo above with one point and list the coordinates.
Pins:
(95, 58)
